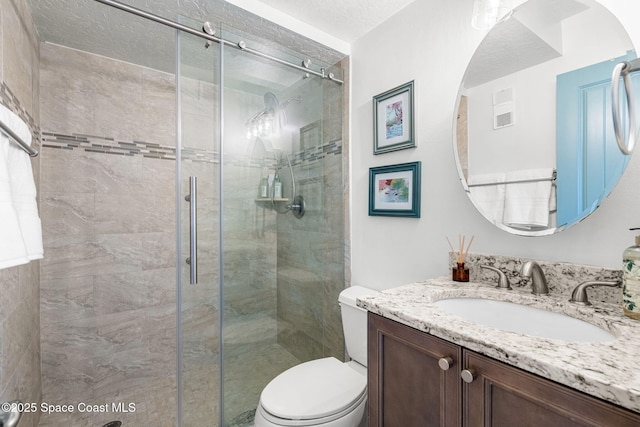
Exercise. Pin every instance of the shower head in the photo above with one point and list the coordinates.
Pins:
(272, 119)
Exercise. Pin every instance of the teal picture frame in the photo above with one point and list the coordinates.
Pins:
(394, 190)
(393, 118)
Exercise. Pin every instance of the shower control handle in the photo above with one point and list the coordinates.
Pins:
(192, 198)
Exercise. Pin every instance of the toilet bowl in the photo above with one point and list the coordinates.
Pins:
(323, 392)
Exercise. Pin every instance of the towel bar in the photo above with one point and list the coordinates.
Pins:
(520, 181)
(30, 151)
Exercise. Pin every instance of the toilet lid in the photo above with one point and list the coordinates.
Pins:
(314, 389)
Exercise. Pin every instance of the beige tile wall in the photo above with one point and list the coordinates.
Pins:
(108, 298)
(20, 286)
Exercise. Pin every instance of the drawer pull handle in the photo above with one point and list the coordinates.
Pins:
(445, 363)
(468, 375)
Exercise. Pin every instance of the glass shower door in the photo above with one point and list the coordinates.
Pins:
(268, 271)
(198, 200)
(282, 267)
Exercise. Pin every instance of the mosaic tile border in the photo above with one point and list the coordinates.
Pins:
(317, 153)
(107, 145)
(9, 100)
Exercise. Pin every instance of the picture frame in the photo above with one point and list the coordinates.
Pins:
(394, 190)
(393, 117)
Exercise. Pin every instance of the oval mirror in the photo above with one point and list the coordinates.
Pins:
(533, 136)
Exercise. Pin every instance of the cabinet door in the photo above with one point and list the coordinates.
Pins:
(501, 395)
(407, 387)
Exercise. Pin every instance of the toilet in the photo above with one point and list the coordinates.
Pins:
(324, 392)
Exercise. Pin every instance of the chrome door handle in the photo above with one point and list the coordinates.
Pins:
(192, 198)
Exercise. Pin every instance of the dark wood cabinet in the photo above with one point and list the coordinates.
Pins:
(501, 395)
(409, 388)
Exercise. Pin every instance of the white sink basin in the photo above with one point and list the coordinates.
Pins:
(523, 319)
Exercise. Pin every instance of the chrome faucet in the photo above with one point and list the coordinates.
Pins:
(532, 269)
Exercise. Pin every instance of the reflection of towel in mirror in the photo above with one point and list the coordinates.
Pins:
(527, 204)
(487, 192)
(20, 227)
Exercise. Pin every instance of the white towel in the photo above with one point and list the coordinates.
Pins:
(12, 249)
(527, 204)
(24, 239)
(487, 192)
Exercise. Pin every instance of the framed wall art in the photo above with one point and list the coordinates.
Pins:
(395, 190)
(393, 119)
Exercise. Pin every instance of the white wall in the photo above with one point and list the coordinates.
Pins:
(527, 144)
(431, 42)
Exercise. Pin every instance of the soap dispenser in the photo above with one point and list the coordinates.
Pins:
(263, 189)
(277, 187)
(631, 280)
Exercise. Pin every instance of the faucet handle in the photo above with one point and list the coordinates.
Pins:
(579, 294)
(503, 280)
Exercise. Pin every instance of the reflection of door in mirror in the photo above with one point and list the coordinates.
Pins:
(462, 138)
(585, 141)
(506, 148)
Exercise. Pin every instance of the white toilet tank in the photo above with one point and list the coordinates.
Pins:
(354, 322)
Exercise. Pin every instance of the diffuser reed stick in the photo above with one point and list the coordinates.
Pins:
(461, 253)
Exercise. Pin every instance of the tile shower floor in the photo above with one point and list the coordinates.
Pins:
(247, 373)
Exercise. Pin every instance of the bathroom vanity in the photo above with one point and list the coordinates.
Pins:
(430, 368)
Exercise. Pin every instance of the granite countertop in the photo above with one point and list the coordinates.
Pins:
(609, 370)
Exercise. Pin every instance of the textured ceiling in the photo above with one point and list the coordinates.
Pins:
(91, 26)
(531, 36)
(347, 20)
(97, 28)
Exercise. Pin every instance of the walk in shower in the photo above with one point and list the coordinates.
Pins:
(174, 288)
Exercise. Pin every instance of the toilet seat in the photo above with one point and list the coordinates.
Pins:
(313, 393)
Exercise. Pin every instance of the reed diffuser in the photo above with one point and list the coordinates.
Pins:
(459, 273)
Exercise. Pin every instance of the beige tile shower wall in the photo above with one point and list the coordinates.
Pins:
(20, 286)
(108, 302)
(311, 250)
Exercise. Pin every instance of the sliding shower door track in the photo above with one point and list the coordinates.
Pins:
(240, 45)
